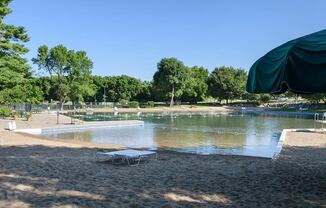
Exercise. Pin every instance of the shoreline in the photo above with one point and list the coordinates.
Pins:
(162, 109)
(289, 137)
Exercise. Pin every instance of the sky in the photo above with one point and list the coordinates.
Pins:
(130, 37)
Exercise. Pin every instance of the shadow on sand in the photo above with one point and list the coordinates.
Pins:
(39, 176)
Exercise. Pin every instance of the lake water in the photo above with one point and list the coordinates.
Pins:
(200, 133)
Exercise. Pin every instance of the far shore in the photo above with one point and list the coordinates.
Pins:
(165, 109)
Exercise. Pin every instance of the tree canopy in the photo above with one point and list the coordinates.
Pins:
(70, 72)
(116, 88)
(14, 70)
(169, 78)
(227, 83)
(195, 86)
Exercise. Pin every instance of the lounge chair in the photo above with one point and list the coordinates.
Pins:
(128, 155)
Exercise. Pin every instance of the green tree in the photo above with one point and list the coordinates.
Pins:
(48, 88)
(27, 92)
(264, 98)
(315, 98)
(79, 77)
(169, 78)
(122, 88)
(250, 97)
(14, 70)
(69, 70)
(195, 87)
(116, 88)
(98, 82)
(145, 93)
(227, 83)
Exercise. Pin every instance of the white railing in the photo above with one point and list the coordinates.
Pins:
(319, 121)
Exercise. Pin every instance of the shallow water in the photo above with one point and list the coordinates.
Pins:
(201, 133)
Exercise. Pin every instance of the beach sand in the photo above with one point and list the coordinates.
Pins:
(47, 173)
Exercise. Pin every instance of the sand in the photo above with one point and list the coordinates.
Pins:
(38, 172)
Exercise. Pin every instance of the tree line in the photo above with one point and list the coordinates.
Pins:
(69, 77)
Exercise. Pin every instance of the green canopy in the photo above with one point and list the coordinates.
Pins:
(298, 65)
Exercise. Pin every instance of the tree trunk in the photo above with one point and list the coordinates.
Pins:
(172, 97)
(61, 104)
(324, 100)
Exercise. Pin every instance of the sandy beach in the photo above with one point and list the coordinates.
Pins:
(39, 172)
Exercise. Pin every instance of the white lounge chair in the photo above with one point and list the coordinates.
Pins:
(128, 155)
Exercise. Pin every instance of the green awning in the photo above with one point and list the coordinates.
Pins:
(298, 65)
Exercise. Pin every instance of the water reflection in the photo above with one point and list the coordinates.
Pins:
(201, 133)
(84, 136)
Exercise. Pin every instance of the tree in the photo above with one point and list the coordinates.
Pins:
(227, 83)
(195, 87)
(169, 78)
(122, 88)
(315, 98)
(14, 70)
(48, 88)
(79, 77)
(69, 70)
(145, 93)
(116, 88)
(27, 92)
(251, 97)
(264, 98)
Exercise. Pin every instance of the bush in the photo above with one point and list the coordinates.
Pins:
(124, 103)
(15, 115)
(28, 116)
(133, 104)
(151, 104)
(4, 111)
(264, 98)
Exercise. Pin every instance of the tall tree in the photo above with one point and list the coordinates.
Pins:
(145, 93)
(169, 78)
(195, 87)
(69, 70)
(79, 77)
(227, 83)
(122, 88)
(14, 70)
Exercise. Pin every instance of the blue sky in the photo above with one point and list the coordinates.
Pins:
(130, 37)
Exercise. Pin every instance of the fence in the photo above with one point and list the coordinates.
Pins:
(26, 107)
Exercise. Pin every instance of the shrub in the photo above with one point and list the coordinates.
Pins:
(123, 103)
(4, 111)
(133, 104)
(15, 115)
(264, 98)
(151, 104)
(28, 116)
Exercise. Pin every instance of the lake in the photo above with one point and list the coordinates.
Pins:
(236, 133)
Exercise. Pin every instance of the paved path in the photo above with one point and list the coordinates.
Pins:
(40, 120)
(49, 120)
